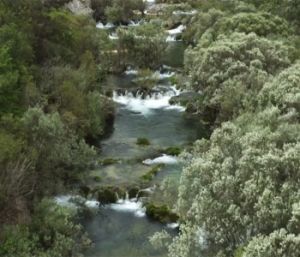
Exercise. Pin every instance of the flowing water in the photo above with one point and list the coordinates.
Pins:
(122, 229)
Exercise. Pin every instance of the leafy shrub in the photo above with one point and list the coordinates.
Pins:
(52, 232)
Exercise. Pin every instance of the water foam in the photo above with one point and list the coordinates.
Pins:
(72, 201)
(134, 24)
(173, 225)
(164, 159)
(177, 30)
(65, 200)
(108, 25)
(129, 205)
(145, 105)
(131, 72)
(192, 12)
(171, 38)
(164, 75)
(92, 203)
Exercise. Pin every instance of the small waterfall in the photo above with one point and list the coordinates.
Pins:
(164, 159)
(134, 23)
(108, 25)
(144, 105)
(173, 33)
(177, 30)
(171, 38)
(148, 190)
(129, 205)
(117, 196)
(126, 196)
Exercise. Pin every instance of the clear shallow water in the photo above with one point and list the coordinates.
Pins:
(120, 174)
(122, 234)
(162, 128)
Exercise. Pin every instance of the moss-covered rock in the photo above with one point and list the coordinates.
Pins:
(109, 161)
(85, 191)
(133, 192)
(153, 172)
(161, 213)
(143, 193)
(142, 141)
(173, 150)
(107, 195)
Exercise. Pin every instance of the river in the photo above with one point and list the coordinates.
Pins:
(122, 229)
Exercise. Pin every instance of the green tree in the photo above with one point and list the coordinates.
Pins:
(231, 71)
(142, 46)
(278, 243)
(52, 232)
(242, 185)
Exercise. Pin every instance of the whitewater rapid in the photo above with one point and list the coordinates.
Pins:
(144, 105)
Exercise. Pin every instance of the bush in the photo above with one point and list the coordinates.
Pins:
(52, 232)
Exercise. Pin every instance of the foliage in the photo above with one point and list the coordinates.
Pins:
(50, 107)
(278, 243)
(284, 90)
(142, 46)
(289, 9)
(243, 182)
(261, 23)
(200, 24)
(239, 191)
(117, 11)
(160, 240)
(52, 232)
(231, 71)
